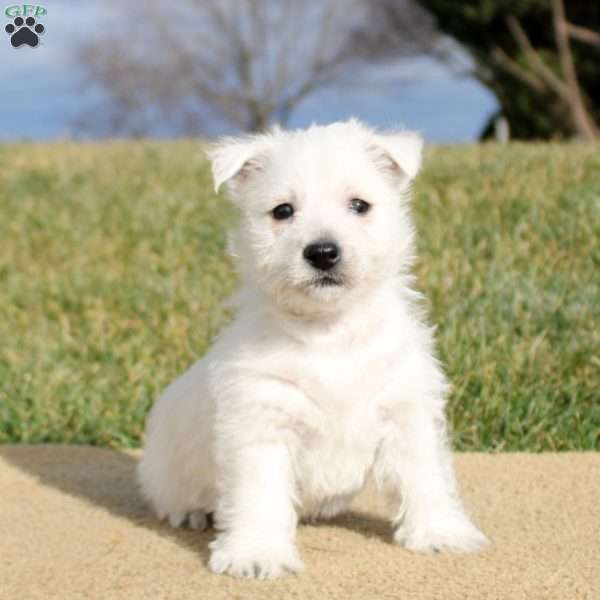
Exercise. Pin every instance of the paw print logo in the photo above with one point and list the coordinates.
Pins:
(24, 32)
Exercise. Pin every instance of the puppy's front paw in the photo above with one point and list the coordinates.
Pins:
(453, 533)
(253, 560)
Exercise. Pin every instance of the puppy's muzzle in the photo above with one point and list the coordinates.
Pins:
(322, 255)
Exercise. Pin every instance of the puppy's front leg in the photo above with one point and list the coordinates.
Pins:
(414, 468)
(255, 513)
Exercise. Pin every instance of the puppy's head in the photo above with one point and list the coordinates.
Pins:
(324, 214)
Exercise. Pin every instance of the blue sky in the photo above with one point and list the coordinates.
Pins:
(42, 94)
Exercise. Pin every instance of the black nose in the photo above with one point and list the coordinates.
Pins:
(322, 255)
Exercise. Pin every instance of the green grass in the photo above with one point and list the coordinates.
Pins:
(112, 269)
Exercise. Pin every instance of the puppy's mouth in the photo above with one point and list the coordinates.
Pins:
(323, 281)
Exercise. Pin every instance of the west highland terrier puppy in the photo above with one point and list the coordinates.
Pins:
(327, 374)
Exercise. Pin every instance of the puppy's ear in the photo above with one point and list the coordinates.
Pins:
(399, 153)
(235, 160)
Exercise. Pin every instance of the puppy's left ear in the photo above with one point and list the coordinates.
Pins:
(401, 153)
(236, 160)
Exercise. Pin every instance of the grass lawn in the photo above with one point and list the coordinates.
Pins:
(112, 268)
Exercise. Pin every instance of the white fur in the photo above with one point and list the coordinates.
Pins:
(311, 388)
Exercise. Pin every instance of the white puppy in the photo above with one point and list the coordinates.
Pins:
(326, 375)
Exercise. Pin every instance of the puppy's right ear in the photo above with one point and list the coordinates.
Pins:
(236, 160)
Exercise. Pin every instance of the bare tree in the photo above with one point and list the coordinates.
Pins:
(180, 66)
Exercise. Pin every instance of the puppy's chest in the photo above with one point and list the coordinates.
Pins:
(335, 456)
(340, 444)
(342, 379)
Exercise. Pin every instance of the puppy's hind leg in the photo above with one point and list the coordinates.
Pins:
(196, 519)
(176, 473)
(177, 493)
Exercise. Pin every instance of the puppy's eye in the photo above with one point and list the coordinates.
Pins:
(359, 206)
(283, 211)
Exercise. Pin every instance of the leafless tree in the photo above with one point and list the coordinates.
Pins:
(183, 65)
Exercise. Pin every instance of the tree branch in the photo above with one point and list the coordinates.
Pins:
(583, 34)
(581, 117)
(535, 61)
(517, 71)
